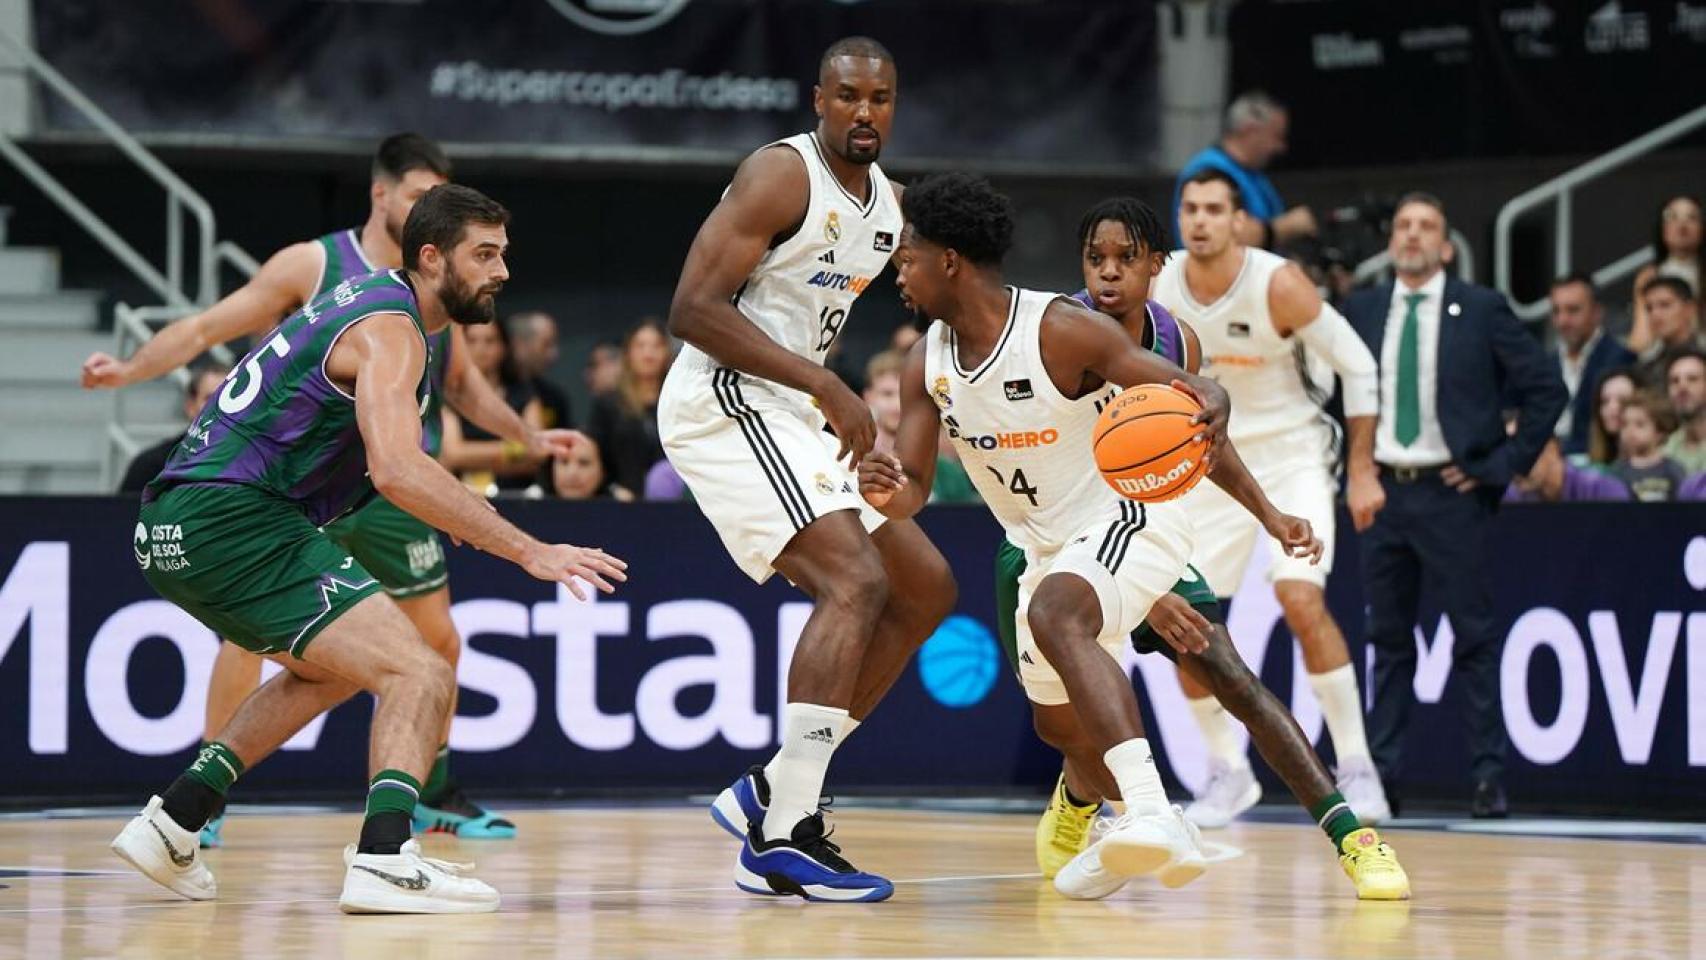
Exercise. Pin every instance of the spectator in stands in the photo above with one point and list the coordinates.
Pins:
(1584, 354)
(1614, 390)
(533, 337)
(603, 367)
(904, 337)
(882, 393)
(145, 466)
(580, 475)
(1451, 355)
(484, 462)
(1685, 381)
(1652, 477)
(1254, 134)
(1552, 480)
(1676, 253)
(624, 422)
(1674, 318)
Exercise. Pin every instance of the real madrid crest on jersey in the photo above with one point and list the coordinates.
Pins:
(939, 393)
(832, 227)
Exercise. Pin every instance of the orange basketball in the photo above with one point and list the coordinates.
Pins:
(1143, 443)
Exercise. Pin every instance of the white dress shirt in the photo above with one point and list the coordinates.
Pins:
(1428, 449)
(1572, 371)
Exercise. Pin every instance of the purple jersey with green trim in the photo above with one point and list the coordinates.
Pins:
(345, 259)
(279, 423)
(1161, 335)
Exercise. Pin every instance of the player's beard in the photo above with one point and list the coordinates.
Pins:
(859, 154)
(465, 305)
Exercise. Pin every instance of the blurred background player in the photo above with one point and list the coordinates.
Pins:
(1264, 332)
(402, 551)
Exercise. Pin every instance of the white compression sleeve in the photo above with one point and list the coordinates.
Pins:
(1331, 335)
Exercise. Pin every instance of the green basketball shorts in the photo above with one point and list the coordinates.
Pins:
(248, 565)
(402, 551)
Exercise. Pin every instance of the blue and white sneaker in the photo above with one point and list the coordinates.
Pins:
(808, 865)
(210, 831)
(742, 803)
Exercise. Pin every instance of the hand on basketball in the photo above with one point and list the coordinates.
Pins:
(850, 417)
(567, 564)
(1297, 537)
(1216, 411)
(105, 370)
(1456, 479)
(1174, 620)
(543, 444)
(880, 478)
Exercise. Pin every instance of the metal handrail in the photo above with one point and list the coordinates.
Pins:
(169, 284)
(132, 326)
(1559, 191)
(1463, 259)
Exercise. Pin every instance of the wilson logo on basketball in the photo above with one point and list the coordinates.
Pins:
(1149, 482)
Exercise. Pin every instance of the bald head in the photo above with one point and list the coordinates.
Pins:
(858, 48)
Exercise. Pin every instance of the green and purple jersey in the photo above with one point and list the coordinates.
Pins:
(280, 424)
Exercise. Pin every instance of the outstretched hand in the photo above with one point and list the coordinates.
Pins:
(567, 564)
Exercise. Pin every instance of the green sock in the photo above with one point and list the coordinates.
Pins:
(1335, 817)
(438, 781)
(392, 791)
(216, 767)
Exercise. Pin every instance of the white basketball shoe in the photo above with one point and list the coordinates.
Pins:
(1359, 784)
(1230, 791)
(407, 882)
(1165, 844)
(165, 853)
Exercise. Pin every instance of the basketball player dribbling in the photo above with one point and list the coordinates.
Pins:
(1122, 250)
(402, 551)
(1266, 336)
(1018, 378)
(801, 231)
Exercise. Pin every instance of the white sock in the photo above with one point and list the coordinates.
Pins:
(1218, 733)
(1118, 806)
(1341, 705)
(809, 736)
(1140, 783)
(847, 728)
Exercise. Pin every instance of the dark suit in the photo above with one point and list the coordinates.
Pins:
(1428, 531)
(1607, 355)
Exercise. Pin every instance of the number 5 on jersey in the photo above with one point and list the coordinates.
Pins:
(232, 400)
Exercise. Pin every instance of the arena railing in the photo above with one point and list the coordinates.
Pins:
(1558, 193)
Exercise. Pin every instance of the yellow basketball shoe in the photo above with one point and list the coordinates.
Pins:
(1064, 830)
(1373, 867)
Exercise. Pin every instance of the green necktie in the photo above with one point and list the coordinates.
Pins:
(1407, 425)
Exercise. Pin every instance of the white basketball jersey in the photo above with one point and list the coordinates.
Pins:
(1276, 385)
(802, 290)
(1026, 447)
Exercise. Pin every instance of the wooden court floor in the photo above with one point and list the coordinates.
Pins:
(596, 882)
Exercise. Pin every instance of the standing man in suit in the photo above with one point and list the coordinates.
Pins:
(1583, 355)
(1450, 353)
